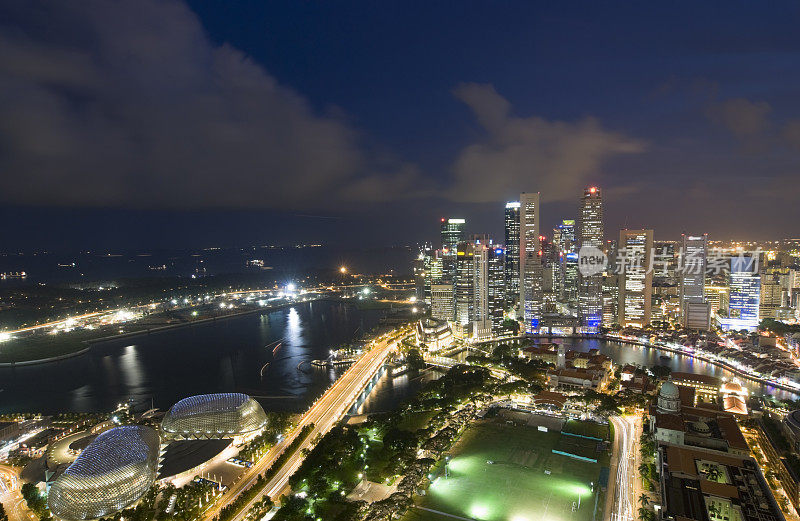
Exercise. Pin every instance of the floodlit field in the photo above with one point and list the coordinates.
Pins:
(514, 487)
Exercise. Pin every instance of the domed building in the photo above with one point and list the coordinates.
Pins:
(214, 416)
(669, 398)
(113, 471)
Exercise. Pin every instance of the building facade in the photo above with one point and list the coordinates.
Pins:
(512, 251)
(530, 261)
(636, 278)
(590, 296)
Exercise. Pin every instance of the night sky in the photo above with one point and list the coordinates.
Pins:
(150, 124)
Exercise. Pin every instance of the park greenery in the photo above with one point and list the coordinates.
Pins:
(393, 449)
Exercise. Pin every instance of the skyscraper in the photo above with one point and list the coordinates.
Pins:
(693, 269)
(694, 308)
(452, 232)
(530, 262)
(512, 251)
(590, 296)
(636, 278)
(497, 287)
(565, 281)
(744, 282)
(442, 303)
(465, 283)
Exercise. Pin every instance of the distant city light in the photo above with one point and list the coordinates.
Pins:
(5, 336)
(343, 269)
(291, 287)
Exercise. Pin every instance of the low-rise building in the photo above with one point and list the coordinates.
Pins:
(709, 486)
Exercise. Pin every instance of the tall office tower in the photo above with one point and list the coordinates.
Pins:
(717, 297)
(692, 271)
(550, 263)
(435, 270)
(480, 317)
(564, 237)
(464, 283)
(420, 276)
(636, 279)
(452, 232)
(590, 297)
(610, 299)
(530, 264)
(565, 281)
(665, 263)
(497, 287)
(773, 278)
(744, 283)
(442, 302)
(512, 252)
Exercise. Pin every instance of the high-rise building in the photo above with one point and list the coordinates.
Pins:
(497, 287)
(773, 291)
(479, 286)
(694, 255)
(744, 283)
(452, 232)
(717, 296)
(465, 283)
(590, 297)
(610, 299)
(442, 302)
(636, 277)
(530, 261)
(421, 276)
(565, 281)
(512, 251)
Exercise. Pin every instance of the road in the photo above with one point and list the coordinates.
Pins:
(324, 414)
(625, 479)
(10, 495)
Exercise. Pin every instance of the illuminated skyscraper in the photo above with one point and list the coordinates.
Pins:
(694, 308)
(442, 302)
(693, 269)
(465, 283)
(744, 283)
(497, 287)
(530, 261)
(452, 232)
(512, 251)
(636, 280)
(590, 297)
(565, 281)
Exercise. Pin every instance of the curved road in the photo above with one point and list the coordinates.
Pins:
(324, 414)
(10, 495)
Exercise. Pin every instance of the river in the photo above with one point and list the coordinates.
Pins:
(228, 355)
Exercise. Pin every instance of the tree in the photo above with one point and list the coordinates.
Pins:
(3, 515)
(644, 500)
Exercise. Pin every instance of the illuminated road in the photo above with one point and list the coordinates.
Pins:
(324, 414)
(10, 495)
(623, 505)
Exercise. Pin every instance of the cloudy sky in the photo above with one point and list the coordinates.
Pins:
(159, 123)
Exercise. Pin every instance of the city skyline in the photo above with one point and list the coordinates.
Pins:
(330, 140)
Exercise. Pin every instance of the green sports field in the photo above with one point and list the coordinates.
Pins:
(514, 487)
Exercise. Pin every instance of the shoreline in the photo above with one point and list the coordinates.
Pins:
(89, 344)
(718, 363)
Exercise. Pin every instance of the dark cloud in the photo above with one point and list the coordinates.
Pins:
(745, 119)
(129, 103)
(554, 157)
